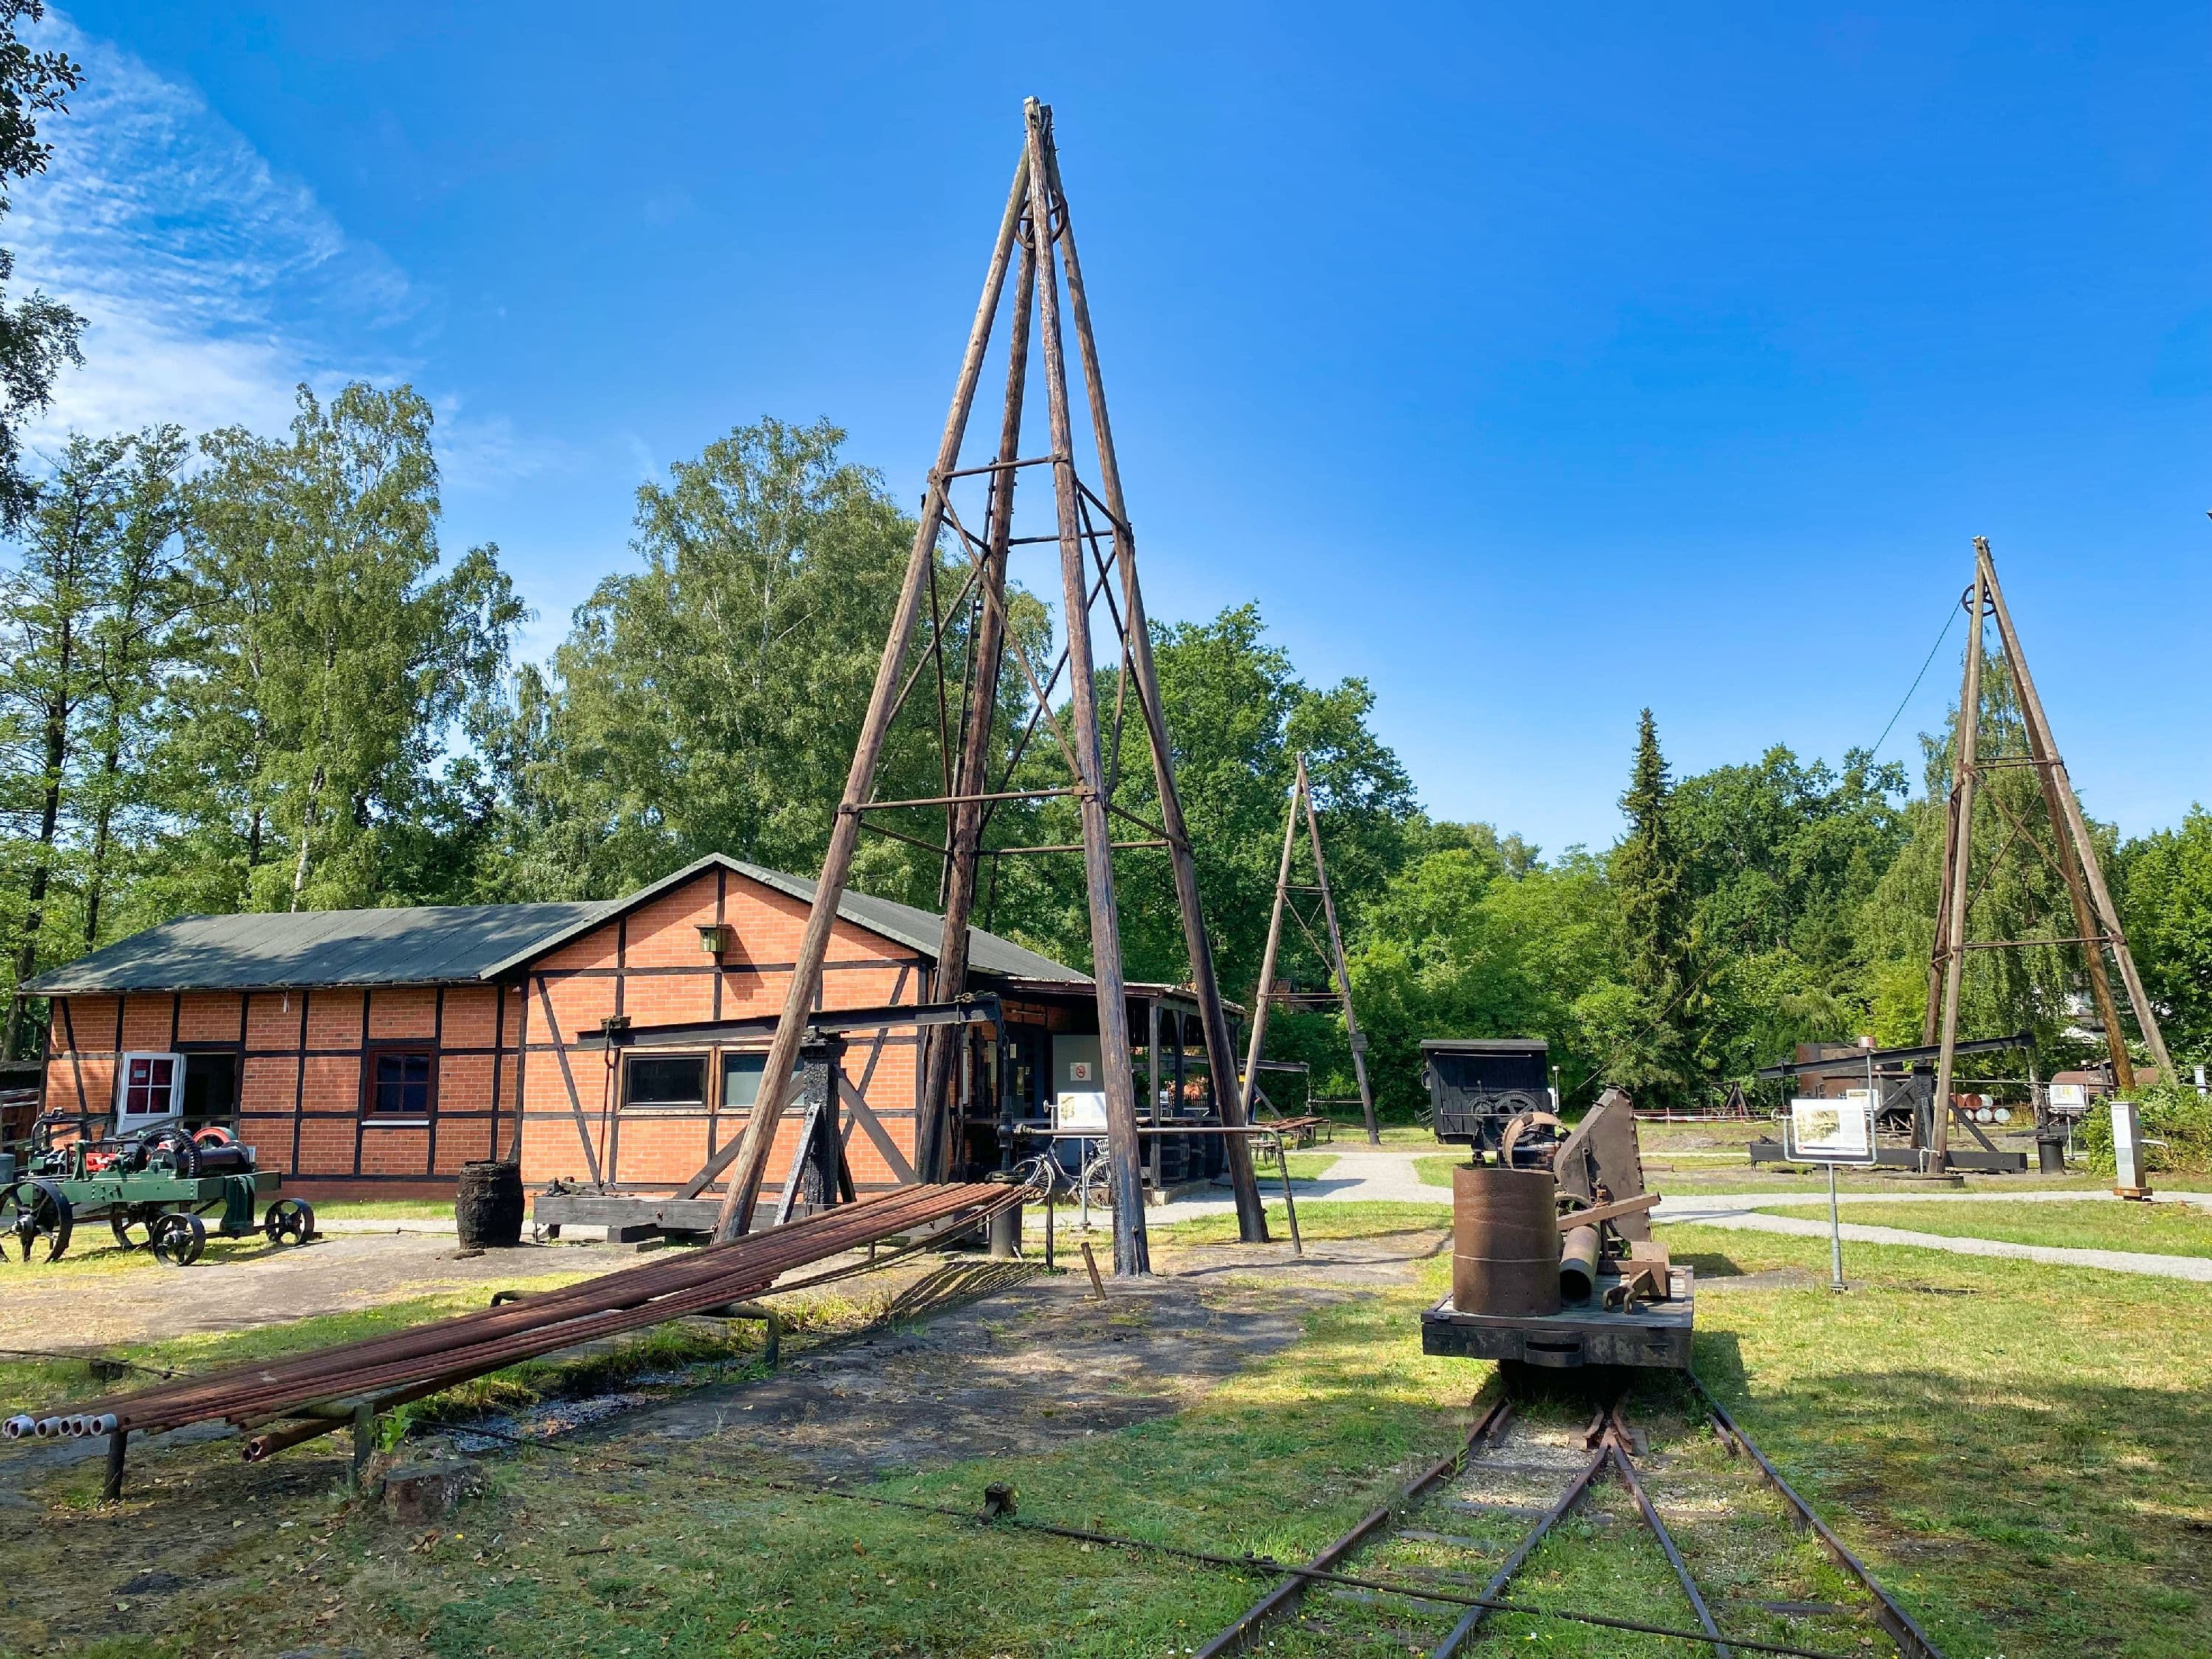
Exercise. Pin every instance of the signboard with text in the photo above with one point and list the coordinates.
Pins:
(1831, 1131)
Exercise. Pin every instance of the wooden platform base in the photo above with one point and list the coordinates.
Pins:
(1656, 1333)
(644, 1218)
(627, 1219)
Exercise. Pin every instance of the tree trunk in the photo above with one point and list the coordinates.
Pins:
(306, 835)
(96, 879)
(49, 811)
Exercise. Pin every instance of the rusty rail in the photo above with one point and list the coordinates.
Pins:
(1287, 1594)
(1911, 1641)
(1610, 1443)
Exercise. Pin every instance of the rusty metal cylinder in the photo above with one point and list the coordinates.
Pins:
(1505, 1243)
(1578, 1264)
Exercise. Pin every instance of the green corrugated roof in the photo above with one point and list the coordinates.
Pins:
(451, 944)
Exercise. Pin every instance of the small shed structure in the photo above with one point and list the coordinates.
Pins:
(376, 1051)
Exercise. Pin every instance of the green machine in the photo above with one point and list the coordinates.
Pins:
(155, 1187)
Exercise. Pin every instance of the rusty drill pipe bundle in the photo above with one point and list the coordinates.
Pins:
(614, 1303)
(472, 1344)
(608, 1306)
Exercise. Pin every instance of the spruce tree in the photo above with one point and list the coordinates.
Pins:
(1663, 1061)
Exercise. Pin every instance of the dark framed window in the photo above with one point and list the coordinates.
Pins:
(399, 1082)
(664, 1080)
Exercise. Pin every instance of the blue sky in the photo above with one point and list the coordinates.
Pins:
(1533, 365)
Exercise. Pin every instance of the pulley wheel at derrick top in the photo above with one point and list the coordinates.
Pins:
(1505, 1241)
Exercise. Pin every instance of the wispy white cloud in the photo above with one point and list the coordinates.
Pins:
(479, 450)
(192, 262)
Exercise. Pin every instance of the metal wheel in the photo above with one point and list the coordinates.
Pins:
(289, 1221)
(36, 1219)
(132, 1224)
(1098, 1179)
(179, 1238)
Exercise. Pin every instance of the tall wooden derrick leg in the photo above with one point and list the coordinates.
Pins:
(1964, 773)
(1261, 998)
(2096, 919)
(1132, 1253)
(936, 1142)
(750, 1151)
(1336, 967)
(1939, 951)
(1220, 1053)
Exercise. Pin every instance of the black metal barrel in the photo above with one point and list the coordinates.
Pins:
(1505, 1241)
(487, 1208)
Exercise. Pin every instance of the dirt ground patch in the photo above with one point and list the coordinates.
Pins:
(1036, 1366)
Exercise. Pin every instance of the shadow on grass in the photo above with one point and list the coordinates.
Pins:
(2073, 1518)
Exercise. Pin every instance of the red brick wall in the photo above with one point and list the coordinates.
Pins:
(301, 1058)
(649, 965)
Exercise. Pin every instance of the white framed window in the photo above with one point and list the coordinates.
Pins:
(149, 1088)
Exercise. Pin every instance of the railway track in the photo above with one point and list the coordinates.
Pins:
(1543, 1488)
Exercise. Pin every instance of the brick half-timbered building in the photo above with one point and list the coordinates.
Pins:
(381, 1049)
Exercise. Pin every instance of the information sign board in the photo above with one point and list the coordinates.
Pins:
(1831, 1131)
(2069, 1099)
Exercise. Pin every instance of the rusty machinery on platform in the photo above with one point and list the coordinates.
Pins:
(1553, 1264)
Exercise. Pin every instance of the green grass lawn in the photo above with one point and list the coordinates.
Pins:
(1304, 1166)
(384, 1209)
(1437, 1172)
(1390, 1134)
(2159, 1229)
(2023, 1454)
(34, 1385)
(94, 1252)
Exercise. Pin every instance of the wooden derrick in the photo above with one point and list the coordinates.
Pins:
(2096, 921)
(1096, 550)
(1301, 804)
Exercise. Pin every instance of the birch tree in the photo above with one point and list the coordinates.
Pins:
(331, 660)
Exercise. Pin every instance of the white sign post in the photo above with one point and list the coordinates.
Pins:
(1833, 1132)
(2130, 1178)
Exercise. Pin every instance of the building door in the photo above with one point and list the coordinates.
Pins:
(210, 1092)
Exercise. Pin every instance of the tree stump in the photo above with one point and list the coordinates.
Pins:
(417, 1493)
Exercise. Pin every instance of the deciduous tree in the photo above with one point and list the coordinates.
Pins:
(333, 658)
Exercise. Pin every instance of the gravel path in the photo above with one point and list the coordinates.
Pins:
(2126, 1261)
(1385, 1175)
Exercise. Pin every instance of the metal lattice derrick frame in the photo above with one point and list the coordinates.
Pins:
(1097, 563)
(2096, 921)
(1332, 952)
